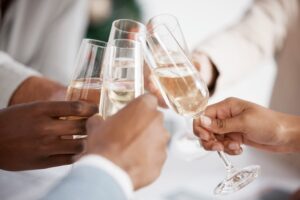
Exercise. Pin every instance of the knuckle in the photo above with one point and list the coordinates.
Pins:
(78, 125)
(94, 109)
(221, 124)
(41, 129)
(77, 107)
(205, 145)
(148, 100)
(231, 100)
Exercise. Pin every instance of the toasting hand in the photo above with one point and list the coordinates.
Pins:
(228, 124)
(31, 134)
(134, 139)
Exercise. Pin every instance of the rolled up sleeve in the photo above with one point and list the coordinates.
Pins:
(12, 75)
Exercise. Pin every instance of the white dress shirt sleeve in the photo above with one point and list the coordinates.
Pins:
(12, 75)
(238, 50)
(120, 176)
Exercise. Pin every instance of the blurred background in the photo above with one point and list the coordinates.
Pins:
(198, 20)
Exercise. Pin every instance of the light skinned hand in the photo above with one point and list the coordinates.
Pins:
(151, 87)
(206, 68)
(134, 139)
(232, 122)
(202, 63)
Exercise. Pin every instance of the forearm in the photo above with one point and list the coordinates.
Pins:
(21, 84)
(12, 75)
(36, 89)
(239, 49)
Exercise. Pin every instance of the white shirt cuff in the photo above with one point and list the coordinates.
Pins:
(120, 176)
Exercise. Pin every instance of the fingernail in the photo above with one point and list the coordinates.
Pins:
(204, 136)
(233, 146)
(239, 151)
(205, 121)
(217, 147)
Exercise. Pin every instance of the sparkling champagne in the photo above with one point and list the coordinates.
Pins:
(117, 95)
(85, 90)
(182, 89)
(88, 90)
(121, 86)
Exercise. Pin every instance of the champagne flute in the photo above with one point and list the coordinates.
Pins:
(127, 29)
(123, 76)
(171, 22)
(185, 142)
(186, 93)
(86, 83)
(87, 79)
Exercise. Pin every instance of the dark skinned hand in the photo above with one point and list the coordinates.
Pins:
(31, 134)
(134, 139)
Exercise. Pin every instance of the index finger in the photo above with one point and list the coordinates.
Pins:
(68, 108)
(224, 109)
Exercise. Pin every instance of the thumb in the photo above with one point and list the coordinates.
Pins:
(221, 126)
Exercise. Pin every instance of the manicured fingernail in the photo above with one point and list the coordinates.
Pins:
(205, 121)
(217, 147)
(233, 146)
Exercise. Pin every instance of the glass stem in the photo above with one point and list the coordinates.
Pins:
(228, 165)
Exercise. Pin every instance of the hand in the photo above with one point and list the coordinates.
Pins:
(134, 139)
(38, 89)
(228, 124)
(58, 94)
(206, 68)
(31, 134)
(150, 86)
(203, 64)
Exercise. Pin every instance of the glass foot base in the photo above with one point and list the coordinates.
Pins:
(237, 180)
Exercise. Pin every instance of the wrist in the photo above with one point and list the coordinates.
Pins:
(289, 132)
(106, 165)
(207, 69)
(118, 162)
(294, 134)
